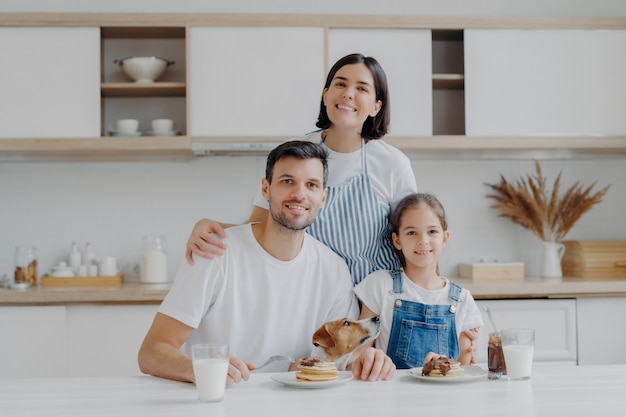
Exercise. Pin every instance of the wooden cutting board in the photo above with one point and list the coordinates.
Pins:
(99, 281)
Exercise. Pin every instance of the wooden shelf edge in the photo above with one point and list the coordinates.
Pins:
(408, 21)
(176, 148)
(157, 89)
(448, 81)
(184, 147)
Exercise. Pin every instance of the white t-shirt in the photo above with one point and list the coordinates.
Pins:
(258, 304)
(376, 292)
(389, 170)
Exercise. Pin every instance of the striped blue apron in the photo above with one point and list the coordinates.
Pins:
(353, 223)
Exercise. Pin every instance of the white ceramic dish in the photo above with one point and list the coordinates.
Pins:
(19, 286)
(126, 134)
(144, 69)
(169, 133)
(289, 379)
(470, 373)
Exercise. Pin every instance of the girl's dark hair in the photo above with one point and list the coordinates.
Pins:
(374, 127)
(414, 201)
(300, 149)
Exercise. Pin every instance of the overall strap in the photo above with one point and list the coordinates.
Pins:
(397, 281)
(455, 296)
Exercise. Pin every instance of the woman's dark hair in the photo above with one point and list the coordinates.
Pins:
(300, 149)
(374, 127)
(414, 201)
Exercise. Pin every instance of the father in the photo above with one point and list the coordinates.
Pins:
(271, 290)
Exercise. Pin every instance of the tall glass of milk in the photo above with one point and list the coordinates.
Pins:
(153, 266)
(518, 346)
(210, 368)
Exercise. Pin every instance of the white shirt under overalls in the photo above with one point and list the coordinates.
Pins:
(258, 304)
(378, 174)
(376, 292)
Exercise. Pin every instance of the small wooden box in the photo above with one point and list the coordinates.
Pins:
(492, 270)
(594, 258)
(101, 281)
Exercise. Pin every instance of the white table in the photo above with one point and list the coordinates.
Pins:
(552, 391)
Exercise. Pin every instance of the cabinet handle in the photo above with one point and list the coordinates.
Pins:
(620, 264)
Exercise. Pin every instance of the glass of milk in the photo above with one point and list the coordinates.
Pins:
(210, 368)
(518, 346)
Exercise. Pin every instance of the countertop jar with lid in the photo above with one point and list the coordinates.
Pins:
(26, 265)
(153, 266)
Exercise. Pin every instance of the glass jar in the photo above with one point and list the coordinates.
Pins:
(153, 266)
(26, 265)
(495, 361)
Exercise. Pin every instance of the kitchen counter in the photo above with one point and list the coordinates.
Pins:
(534, 287)
(136, 293)
(552, 390)
(127, 293)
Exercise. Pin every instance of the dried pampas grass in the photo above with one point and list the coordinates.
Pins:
(529, 203)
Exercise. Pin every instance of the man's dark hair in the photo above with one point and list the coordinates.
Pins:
(300, 149)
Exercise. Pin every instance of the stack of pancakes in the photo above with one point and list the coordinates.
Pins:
(314, 369)
(442, 366)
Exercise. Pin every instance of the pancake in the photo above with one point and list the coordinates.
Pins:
(313, 369)
(442, 367)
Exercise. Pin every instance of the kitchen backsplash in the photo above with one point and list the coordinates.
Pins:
(113, 204)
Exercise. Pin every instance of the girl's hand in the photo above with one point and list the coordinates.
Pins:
(206, 240)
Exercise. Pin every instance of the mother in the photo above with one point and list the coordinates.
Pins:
(366, 176)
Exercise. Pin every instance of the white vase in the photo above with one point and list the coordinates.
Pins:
(552, 253)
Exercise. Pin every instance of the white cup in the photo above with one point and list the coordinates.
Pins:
(210, 368)
(108, 266)
(162, 125)
(126, 125)
(518, 346)
(92, 270)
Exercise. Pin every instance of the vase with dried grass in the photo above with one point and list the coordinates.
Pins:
(530, 204)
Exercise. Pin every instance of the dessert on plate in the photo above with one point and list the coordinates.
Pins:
(442, 367)
(314, 369)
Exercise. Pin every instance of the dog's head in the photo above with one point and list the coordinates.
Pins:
(340, 337)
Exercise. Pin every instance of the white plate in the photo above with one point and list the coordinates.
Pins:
(470, 373)
(289, 379)
(124, 134)
(169, 133)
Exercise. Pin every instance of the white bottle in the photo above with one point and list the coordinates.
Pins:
(89, 256)
(74, 258)
(153, 267)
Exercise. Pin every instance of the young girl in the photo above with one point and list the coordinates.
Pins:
(420, 311)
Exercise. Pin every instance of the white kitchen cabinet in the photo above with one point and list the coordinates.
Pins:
(255, 81)
(554, 322)
(50, 82)
(104, 340)
(545, 82)
(32, 341)
(601, 331)
(408, 66)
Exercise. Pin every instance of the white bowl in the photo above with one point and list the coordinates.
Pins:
(144, 69)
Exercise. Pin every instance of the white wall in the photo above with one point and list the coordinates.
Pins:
(113, 204)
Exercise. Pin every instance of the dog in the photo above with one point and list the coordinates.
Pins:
(336, 340)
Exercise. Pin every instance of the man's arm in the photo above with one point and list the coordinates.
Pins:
(160, 353)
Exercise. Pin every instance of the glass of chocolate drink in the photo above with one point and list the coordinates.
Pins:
(495, 357)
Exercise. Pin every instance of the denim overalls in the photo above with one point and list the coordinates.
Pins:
(418, 328)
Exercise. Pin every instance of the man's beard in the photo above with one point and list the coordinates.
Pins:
(291, 224)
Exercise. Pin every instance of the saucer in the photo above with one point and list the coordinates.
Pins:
(163, 133)
(125, 134)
